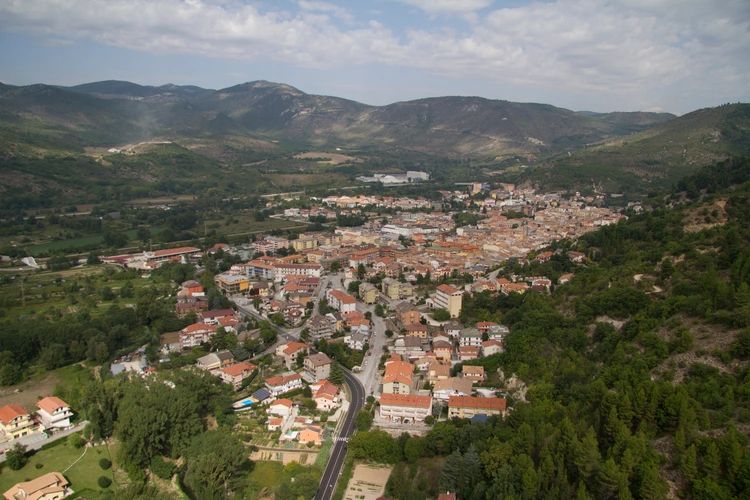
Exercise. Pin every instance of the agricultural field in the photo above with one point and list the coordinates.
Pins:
(331, 158)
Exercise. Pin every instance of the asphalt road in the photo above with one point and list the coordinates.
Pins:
(338, 453)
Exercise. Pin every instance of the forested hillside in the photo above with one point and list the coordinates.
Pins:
(636, 374)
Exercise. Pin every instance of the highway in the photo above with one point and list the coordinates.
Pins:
(338, 452)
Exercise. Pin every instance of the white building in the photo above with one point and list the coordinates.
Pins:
(54, 413)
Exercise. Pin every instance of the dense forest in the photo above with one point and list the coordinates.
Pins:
(635, 372)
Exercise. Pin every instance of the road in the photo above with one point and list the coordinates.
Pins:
(338, 453)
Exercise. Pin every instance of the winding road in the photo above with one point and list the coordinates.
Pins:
(338, 453)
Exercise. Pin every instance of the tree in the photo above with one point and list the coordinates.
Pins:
(335, 266)
(363, 420)
(379, 311)
(415, 448)
(16, 457)
(214, 458)
(336, 376)
(452, 475)
(653, 487)
(441, 315)
(103, 482)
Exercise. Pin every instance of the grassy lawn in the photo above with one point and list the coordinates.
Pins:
(82, 476)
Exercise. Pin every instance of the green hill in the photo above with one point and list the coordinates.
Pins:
(656, 157)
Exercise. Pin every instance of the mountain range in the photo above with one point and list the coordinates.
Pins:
(565, 148)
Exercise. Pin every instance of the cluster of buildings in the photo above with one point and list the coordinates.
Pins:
(403, 400)
(53, 414)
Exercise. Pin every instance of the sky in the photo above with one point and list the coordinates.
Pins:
(597, 55)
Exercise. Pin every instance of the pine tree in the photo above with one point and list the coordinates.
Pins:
(653, 487)
(472, 468)
(588, 456)
(582, 494)
(712, 461)
(452, 474)
(689, 464)
(608, 479)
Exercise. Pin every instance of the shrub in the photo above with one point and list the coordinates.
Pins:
(105, 463)
(39, 466)
(162, 468)
(103, 482)
(76, 441)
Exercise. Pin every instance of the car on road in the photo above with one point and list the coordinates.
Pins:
(369, 353)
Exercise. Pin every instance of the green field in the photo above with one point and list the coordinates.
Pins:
(80, 242)
(82, 476)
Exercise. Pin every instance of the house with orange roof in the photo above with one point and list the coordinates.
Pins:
(237, 373)
(274, 423)
(398, 377)
(405, 407)
(54, 413)
(491, 347)
(51, 486)
(443, 350)
(326, 397)
(468, 406)
(473, 373)
(311, 434)
(283, 383)
(195, 335)
(292, 351)
(281, 407)
(15, 421)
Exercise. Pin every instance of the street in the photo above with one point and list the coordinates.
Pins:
(338, 453)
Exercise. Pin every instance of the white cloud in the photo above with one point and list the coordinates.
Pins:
(337, 11)
(634, 52)
(448, 6)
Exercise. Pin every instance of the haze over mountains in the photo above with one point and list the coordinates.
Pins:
(570, 147)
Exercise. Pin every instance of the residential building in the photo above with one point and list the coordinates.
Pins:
(318, 367)
(320, 327)
(368, 293)
(341, 301)
(283, 269)
(326, 396)
(470, 337)
(443, 350)
(292, 351)
(468, 352)
(274, 423)
(497, 332)
(214, 361)
(473, 373)
(311, 434)
(407, 314)
(283, 383)
(281, 407)
(355, 341)
(15, 421)
(237, 373)
(397, 378)
(394, 289)
(212, 317)
(416, 330)
(444, 389)
(405, 407)
(195, 335)
(448, 298)
(51, 486)
(231, 284)
(438, 371)
(54, 413)
(446, 496)
(410, 347)
(467, 407)
(491, 347)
